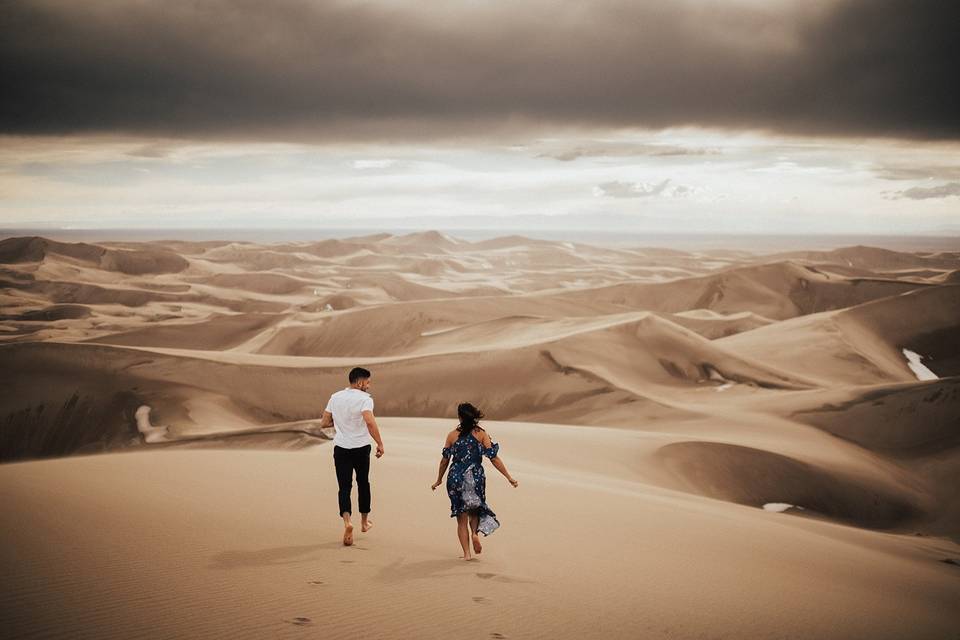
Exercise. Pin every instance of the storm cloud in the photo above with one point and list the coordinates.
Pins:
(314, 69)
(948, 190)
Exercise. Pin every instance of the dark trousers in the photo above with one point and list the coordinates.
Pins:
(348, 461)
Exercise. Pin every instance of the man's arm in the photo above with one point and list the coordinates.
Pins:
(374, 430)
(327, 420)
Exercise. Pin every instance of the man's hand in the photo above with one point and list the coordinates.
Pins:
(434, 486)
(373, 429)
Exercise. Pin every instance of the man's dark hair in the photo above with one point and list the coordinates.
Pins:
(358, 373)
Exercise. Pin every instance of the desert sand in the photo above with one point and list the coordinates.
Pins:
(709, 444)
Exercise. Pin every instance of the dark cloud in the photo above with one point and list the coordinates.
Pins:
(324, 69)
(626, 150)
(151, 151)
(926, 193)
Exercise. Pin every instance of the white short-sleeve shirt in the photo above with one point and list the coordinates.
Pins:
(347, 405)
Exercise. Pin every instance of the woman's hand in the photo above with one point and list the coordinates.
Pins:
(434, 486)
(514, 483)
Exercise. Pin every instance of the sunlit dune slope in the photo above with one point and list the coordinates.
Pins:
(864, 344)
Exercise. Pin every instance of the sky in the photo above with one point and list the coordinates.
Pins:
(708, 116)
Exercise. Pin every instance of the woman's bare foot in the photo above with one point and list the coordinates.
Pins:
(366, 526)
(348, 535)
(466, 557)
(477, 547)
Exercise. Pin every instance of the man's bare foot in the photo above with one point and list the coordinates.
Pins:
(477, 547)
(466, 557)
(348, 535)
(366, 526)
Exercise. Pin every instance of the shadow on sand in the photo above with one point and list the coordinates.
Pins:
(266, 557)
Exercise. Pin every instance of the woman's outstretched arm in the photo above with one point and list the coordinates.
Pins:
(497, 462)
(502, 468)
(444, 463)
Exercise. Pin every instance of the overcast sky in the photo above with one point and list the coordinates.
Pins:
(768, 116)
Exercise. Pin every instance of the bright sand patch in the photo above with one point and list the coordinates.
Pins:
(246, 544)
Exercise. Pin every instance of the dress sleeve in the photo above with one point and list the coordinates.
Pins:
(445, 452)
(491, 452)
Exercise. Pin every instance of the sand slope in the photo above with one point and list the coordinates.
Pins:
(244, 544)
(863, 344)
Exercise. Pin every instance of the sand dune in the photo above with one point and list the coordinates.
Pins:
(270, 283)
(778, 291)
(218, 332)
(252, 257)
(328, 248)
(395, 287)
(720, 428)
(873, 258)
(425, 241)
(590, 371)
(905, 419)
(550, 378)
(913, 423)
(14, 250)
(863, 344)
(245, 534)
(951, 277)
(710, 324)
(391, 330)
(756, 477)
(926, 321)
(52, 313)
(507, 242)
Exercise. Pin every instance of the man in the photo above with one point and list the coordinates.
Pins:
(350, 412)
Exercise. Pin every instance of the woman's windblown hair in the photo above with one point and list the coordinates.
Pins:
(469, 416)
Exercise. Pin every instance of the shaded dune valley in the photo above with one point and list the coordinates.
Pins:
(709, 444)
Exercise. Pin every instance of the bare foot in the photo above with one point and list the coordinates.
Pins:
(348, 535)
(366, 526)
(477, 547)
(466, 557)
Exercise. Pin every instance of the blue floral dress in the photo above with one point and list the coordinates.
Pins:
(466, 482)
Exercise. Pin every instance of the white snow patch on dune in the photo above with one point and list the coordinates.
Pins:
(921, 371)
(150, 433)
(779, 506)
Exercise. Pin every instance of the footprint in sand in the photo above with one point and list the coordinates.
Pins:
(315, 582)
(497, 635)
(300, 621)
(951, 561)
(481, 600)
(347, 561)
(496, 577)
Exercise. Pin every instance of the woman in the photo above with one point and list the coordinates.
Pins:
(466, 484)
